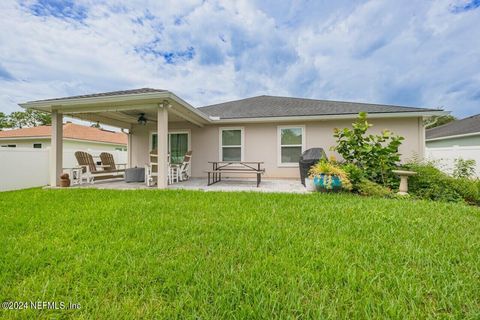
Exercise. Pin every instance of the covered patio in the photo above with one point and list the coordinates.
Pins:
(140, 112)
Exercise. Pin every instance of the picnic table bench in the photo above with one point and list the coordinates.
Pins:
(243, 167)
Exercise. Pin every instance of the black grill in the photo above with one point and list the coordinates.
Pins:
(309, 158)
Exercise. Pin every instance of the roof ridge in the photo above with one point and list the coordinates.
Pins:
(356, 102)
(472, 116)
(320, 100)
(211, 105)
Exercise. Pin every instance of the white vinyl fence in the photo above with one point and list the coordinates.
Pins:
(445, 157)
(22, 168)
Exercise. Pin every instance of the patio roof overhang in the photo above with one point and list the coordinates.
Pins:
(122, 110)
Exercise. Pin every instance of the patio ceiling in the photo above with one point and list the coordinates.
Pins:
(122, 110)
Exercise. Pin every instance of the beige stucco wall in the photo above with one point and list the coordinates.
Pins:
(139, 147)
(261, 141)
(67, 144)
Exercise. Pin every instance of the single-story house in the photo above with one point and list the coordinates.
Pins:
(454, 140)
(75, 137)
(275, 130)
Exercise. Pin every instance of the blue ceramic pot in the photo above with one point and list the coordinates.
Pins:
(327, 183)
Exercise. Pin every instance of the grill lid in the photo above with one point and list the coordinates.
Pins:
(313, 154)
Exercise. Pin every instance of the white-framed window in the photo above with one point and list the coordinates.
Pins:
(178, 144)
(231, 143)
(9, 145)
(291, 144)
(37, 146)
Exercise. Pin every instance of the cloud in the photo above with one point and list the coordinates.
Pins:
(466, 6)
(4, 74)
(208, 51)
(59, 9)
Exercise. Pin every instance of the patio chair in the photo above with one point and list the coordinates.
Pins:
(151, 170)
(89, 169)
(182, 171)
(108, 163)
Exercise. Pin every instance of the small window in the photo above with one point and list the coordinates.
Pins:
(9, 145)
(231, 148)
(37, 146)
(291, 145)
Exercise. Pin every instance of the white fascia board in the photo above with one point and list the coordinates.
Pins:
(47, 138)
(189, 107)
(66, 139)
(333, 117)
(95, 141)
(26, 138)
(455, 136)
(123, 99)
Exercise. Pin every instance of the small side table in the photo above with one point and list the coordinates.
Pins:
(403, 174)
(75, 175)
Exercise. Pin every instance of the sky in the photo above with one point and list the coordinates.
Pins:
(415, 53)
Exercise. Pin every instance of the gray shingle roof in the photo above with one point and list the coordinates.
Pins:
(457, 127)
(107, 94)
(271, 106)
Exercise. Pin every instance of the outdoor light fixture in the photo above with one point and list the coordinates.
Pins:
(142, 120)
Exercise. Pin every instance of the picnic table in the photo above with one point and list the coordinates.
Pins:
(243, 167)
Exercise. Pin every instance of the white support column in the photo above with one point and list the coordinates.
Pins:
(162, 135)
(129, 149)
(56, 149)
(421, 138)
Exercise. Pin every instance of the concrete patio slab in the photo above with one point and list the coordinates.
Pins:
(267, 185)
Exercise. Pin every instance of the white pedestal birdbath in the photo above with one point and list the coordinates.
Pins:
(403, 189)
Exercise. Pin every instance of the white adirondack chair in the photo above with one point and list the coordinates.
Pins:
(182, 171)
(151, 170)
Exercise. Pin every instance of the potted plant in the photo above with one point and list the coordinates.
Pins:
(328, 177)
(65, 180)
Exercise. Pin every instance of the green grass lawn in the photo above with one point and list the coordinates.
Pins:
(186, 254)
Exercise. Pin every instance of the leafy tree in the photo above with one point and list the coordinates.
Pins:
(29, 118)
(377, 155)
(40, 118)
(436, 121)
(4, 121)
(18, 119)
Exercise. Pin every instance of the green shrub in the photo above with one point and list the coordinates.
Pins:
(366, 187)
(377, 155)
(354, 173)
(363, 186)
(431, 183)
(464, 168)
(467, 189)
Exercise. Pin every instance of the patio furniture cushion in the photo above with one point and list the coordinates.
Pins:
(135, 175)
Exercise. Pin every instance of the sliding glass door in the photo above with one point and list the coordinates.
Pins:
(177, 145)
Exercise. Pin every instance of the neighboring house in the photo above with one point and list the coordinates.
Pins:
(75, 136)
(464, 133)
(456, 139)
(275, 130)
